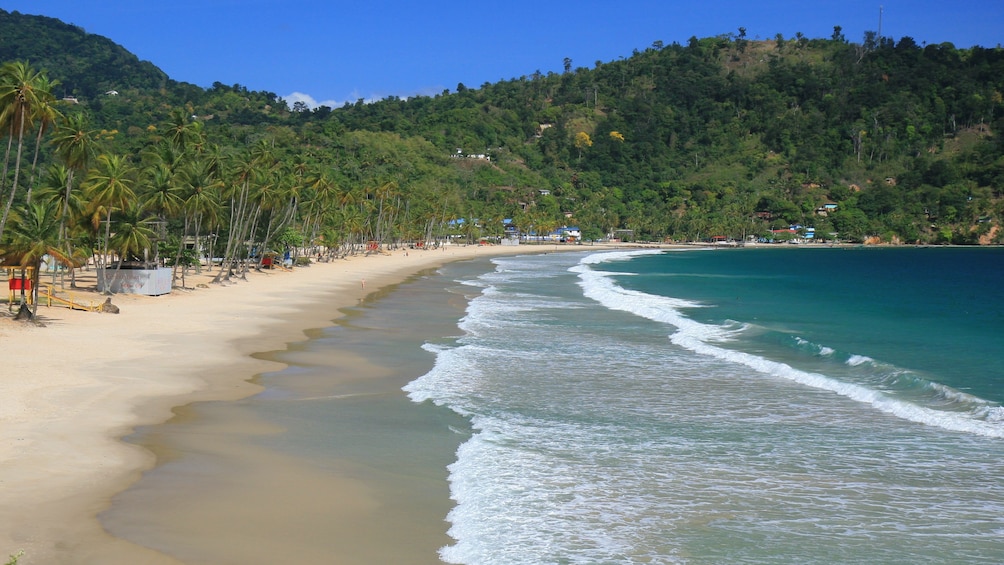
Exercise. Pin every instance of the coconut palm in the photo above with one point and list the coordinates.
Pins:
(183, 131)
(272, 198)
(161, 192)
(109, 188)
(75, 146)
(164, 153)
(21, 93)
(353, 222)
(250, 169)
(69, 205)
(200, 192)
(53, 191)
(322, 203)
(133, 237)
(47, 115)
(382, 194)
(34, 236)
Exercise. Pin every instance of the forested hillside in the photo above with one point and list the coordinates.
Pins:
(728, 136)
(879, 140)
(86, 65)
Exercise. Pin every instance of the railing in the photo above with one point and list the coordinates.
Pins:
(50, 299)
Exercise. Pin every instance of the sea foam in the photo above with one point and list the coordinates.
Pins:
(702, 338)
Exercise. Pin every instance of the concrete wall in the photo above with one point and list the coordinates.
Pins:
(151, 282)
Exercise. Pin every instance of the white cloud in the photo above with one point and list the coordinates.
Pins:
(307, 99)
(352, 98)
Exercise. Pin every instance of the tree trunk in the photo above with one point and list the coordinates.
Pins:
(17, 172)
(35, 279)
(104, 259)
(34, 162)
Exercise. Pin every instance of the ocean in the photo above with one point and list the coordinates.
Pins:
(765, 405)
(732, 406)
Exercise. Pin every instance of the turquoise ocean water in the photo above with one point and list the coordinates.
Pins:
(730, 406)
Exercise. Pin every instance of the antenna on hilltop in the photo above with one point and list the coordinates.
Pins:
(880, 25)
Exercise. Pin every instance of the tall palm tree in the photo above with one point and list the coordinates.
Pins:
(324, 191)
(161, 192)
(200, 188)
(53, 191)
(164, 153)
(271, 198)
(69, 206)
(47, 115)
(21, 92)
(250, 169)
(75, 146)
(32, 238)
(109, 188)
(183, 131)
(133, 237)
(353, 222)
(382, 194)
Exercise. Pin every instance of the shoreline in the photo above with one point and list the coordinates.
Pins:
(72, 390)
(331, 463)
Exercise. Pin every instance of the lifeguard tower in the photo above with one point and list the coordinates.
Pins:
(18, 284)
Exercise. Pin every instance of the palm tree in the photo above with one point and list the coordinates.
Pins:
(74, 145)
(353, 223)
(244, 213)
(349, 199)
(21, 92)
(133, 237)
(47, 115)
(161, 195)
(161, 192)
(275, 197)
(164, 153)
(201, 204)
(322, 202)
(32, 238)
(53, 191)
(183, 131)
(109, 188)
(385, 191)
(69, 205)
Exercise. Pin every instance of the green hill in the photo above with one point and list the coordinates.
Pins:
(880, 140)
(86, 65)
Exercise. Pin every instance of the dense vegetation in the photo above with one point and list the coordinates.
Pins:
(881, 140)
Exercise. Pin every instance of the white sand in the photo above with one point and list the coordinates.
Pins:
(71, 389)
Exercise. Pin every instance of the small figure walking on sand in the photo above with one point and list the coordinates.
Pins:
(363, 283)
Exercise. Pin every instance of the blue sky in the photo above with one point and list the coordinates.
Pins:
(332, 52)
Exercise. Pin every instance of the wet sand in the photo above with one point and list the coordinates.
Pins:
(330, 463)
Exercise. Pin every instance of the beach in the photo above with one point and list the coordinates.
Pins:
(73, 387)
(476, 412)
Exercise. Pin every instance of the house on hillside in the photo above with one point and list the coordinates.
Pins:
(461, 155)
(826, 209)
